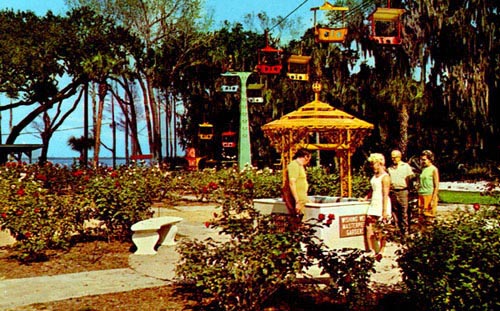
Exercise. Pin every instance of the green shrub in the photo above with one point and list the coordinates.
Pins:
(46, 207)
(259, 254)
(454, 264)
(322, 183)
(38, 219)
(119, 199)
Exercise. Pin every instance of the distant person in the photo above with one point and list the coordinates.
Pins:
(297, 180)
(380, 204)
(428, 187)
(400, 173)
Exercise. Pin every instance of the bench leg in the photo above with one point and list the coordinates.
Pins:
(145, 242)
(167, 235)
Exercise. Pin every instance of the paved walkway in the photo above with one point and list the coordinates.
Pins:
(144, 271)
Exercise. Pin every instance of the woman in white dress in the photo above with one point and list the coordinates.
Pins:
(380, 203)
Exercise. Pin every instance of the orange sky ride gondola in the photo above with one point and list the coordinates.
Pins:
(324, 34)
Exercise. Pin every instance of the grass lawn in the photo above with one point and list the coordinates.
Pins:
(467, 197)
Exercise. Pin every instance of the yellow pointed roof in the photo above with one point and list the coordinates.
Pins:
(336, 130)
(317, 116)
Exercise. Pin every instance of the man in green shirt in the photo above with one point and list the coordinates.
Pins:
(297, 179)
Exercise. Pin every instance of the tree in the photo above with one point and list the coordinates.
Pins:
(81, 144)
(157, 23)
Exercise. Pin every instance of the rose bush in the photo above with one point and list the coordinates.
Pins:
(261, 254)
(47, 207)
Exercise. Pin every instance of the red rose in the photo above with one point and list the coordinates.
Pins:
(213, 185)
(207, 224)
(321, 217)
(331, 216)
(328, 222)
(21, 192)
(41, 177)
(19, 212)
(27, 234)
(4, 215)
(476, 206)
(204, 189)
(248, 185)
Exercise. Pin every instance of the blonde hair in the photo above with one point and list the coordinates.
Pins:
(377, 158)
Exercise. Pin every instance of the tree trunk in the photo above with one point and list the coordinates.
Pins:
(103, 89)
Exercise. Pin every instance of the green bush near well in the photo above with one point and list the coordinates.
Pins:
(454, 264)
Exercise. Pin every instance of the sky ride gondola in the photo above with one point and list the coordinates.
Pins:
(269, 60)
(230, 83)
(205, 131)
(328, 34)
(255, 93)
(386, 26)
(229, 146)
(298, 67)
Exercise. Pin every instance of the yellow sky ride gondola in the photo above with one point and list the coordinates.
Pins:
(255, 93)
(386, 26)
(328, 34)
(205, 131)
(298, 67)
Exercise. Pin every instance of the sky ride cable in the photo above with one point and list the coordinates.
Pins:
(288, 15)
(356, 9)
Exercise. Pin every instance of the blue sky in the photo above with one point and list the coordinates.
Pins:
(231, 10)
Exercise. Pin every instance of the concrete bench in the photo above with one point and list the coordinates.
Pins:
(154, 231)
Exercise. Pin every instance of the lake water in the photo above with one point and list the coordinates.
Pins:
(70, 161)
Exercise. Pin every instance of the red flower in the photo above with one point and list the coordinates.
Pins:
(204, 189)
(213, 185)
(77, 173)
(19, 212)
(331, 216)
(117, 184)
(27, 234)
(37, 210)
(329, 222)
(248, 185)
(114, 174)
(21, 192)
(207, 224)
(476, 206)
(283, 256)
(41, 177)
(4, 215)
(321, 217)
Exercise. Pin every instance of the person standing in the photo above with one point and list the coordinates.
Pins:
(400, 173)
(428, 187)
(380, 204)
(297, 179)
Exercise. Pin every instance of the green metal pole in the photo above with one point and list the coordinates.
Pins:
(244, 150)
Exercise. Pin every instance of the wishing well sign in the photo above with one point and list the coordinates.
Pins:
(352, 225)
